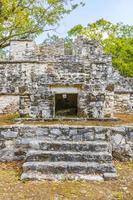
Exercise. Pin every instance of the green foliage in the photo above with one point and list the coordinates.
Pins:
(76, 30)
(68, 42)
(118, 195)
(116, 39)
(122, 51)
(52, 39)
(55, 39)
(26, 18)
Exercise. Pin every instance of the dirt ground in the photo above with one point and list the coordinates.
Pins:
(11, 188)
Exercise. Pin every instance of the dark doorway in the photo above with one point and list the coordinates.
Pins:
(66, 105)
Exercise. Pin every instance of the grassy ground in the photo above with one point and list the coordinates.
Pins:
(8, 119)
(124, 119)
(11, 188)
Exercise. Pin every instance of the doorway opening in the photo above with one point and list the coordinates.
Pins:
(66, 105)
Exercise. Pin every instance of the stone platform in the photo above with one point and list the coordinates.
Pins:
(59, 152)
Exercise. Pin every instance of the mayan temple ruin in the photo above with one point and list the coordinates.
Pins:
(51, 82)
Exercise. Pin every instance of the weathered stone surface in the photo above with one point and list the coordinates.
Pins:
(121, 141)
(130, 135)
(68, 167)
(9, 104)
(123, 99)
(33, 72)
(36, 77)
(66, 138)
(109, 176)
(79, 144)
(7, 154)
(40, 155)
(9, 134)
(60, 177)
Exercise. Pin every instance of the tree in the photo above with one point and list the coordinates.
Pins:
(116, 39)
(28, 18)
(55, 39)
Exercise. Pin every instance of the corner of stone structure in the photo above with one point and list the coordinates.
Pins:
(110, 176)
(20, 48)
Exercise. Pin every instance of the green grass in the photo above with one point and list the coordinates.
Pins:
(8, 118)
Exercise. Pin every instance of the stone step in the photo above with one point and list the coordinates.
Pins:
(60, 177)
(98, 146)
(68, 167)
(68, 156)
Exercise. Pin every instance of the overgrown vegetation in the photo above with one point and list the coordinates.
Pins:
(116, 39)
(8, 118)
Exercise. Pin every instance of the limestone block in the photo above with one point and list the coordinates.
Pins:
(9, 134)
(118, 140)
(9, 104)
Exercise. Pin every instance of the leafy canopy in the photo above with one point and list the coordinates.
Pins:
(116, 39)
(55, 39)
(26, 18)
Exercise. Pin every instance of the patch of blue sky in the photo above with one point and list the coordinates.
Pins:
(112, 10)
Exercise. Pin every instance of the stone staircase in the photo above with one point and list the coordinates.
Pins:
(56, 159)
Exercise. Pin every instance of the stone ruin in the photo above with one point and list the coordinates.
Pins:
(51, 81)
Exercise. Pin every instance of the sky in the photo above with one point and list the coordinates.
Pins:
(112, 10)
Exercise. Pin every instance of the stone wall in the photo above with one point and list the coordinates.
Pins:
(122, 142)
(32, 73)
(123, 102)
(52, 49)
(123, 95)
(9, 104)
(20, 49)
(15, 139)
(32, 70)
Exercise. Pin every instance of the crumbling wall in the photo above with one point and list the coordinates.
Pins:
(121, 138)
(52, 49)
(22, 49)
(123, 95)
(124, 102)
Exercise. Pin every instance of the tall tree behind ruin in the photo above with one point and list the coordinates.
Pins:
(26, 18)
(116, 39)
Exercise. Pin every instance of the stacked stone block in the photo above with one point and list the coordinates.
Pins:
(36, 68)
